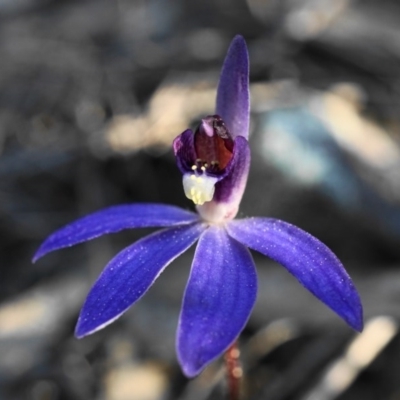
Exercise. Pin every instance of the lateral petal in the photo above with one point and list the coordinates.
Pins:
(130, 274)
(311, 262)
(218, 300)
(115, 219)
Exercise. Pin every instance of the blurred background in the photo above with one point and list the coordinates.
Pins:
(92, 92)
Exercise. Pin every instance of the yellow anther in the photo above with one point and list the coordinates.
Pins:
(194, 167)
(203, 168)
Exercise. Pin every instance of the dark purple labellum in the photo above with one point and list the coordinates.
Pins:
(213, 144)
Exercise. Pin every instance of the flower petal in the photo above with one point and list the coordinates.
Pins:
(129, 275)
(218, 300)
(115, 219)
(308, 259)
(233, 98)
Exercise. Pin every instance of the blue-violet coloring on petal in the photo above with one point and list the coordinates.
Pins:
(130, 273)
(221, 291)
(307, 259)
(218, 300)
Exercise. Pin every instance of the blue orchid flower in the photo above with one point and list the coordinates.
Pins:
(222, 286)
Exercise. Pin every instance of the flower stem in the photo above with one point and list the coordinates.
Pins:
(234, 371)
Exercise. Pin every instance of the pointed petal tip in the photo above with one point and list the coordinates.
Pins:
(192, 367)
(239, 52)
(359, 327)
(79, 334)
(349, 307)
(240, 41)
(191, 371)
(356, 321)
(40, 252)
(85, 328)
(82, 330)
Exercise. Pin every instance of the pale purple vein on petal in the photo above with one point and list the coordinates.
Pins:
(308, 259)
(233, 98)
(130, 274)
(219, 297)
(115, 219)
